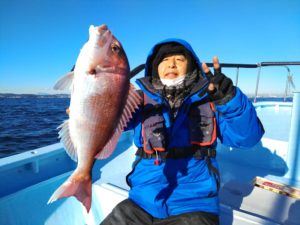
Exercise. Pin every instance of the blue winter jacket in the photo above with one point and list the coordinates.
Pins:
(185, 185)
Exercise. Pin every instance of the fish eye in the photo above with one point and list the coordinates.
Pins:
(115, 48)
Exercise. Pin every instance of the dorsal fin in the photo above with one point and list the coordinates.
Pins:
(65, 82)
(132, 102)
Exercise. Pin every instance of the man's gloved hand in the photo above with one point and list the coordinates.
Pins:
(220, 88)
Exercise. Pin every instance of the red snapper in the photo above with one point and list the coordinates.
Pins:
(102, 102)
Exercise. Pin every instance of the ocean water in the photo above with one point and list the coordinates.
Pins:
(28, 122)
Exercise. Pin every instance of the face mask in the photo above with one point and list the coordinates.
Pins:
(173, 82)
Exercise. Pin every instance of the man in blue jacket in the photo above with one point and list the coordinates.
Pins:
(175, 177)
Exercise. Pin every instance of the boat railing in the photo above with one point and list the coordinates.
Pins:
(289, 81)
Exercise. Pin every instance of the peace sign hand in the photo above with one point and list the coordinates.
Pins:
(220, 88)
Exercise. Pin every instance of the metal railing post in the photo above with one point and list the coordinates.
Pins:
(287, 84)
(237, 76)
(293, 155)
(257, 81)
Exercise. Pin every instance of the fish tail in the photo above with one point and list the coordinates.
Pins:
(81, 188)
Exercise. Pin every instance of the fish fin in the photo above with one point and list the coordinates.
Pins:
(64, 135)
(65, 82)
(132, 102)
(81, 188)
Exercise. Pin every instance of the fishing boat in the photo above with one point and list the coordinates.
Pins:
(260, 185)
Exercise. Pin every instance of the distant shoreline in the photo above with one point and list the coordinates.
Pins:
(12, 95)
(45, 95)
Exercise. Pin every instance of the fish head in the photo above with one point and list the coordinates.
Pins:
(103, 53)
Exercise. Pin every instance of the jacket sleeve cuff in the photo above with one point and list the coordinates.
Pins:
(235, 106)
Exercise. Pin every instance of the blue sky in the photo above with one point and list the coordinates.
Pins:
(40, 39)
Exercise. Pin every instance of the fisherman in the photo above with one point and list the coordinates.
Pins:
(175, 177)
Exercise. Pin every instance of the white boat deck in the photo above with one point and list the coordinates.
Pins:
(28, 180)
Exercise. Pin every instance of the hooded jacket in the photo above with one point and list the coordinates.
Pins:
(183, 185)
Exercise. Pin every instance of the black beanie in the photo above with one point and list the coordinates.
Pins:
(170, 49)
